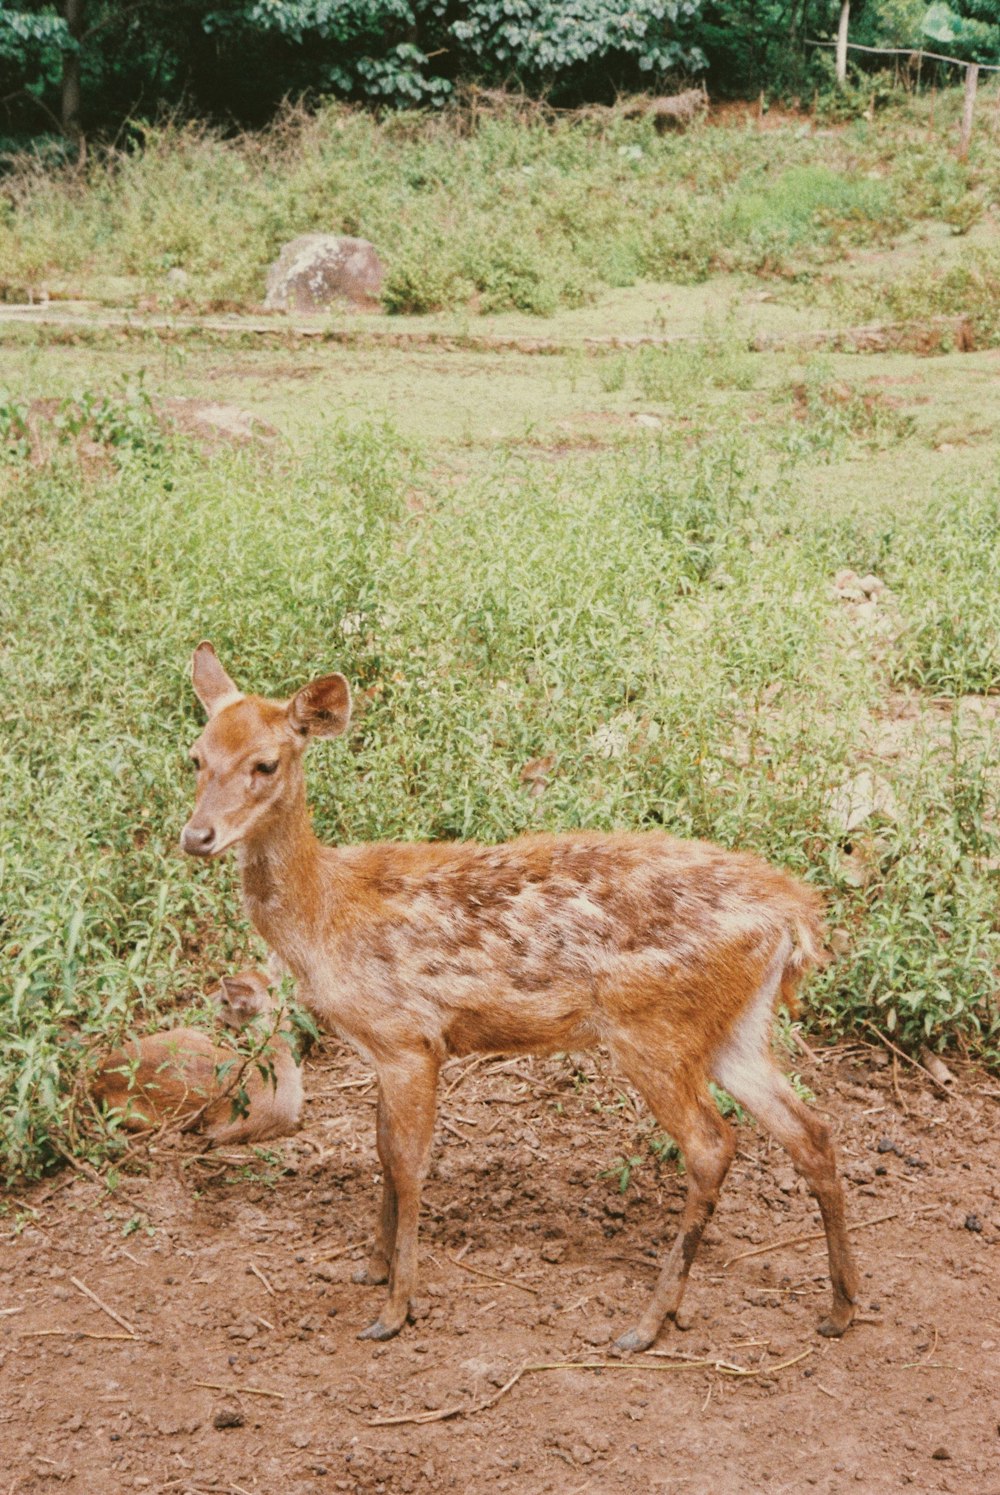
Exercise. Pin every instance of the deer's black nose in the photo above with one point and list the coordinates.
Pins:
(198, 840)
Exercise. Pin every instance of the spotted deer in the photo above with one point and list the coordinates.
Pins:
(182, 1077)
(672, 954)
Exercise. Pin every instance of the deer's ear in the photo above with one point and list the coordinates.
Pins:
(322, 708)
(212, 685)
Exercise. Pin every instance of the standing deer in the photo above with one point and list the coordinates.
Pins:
(673, 954)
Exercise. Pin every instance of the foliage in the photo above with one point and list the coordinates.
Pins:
(242, 57)
(512, 214)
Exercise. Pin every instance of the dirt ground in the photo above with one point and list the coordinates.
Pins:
(233, 1363)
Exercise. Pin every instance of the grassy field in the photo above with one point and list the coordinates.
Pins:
(589, 588)
(516, 213)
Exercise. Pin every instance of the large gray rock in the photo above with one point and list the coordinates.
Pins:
(315, 270)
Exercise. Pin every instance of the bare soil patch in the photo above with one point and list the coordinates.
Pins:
(233, 1271)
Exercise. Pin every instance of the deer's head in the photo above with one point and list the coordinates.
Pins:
(249, 757)
(243, 997)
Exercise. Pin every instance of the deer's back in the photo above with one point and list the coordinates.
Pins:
(162, 1077)
(548, 941)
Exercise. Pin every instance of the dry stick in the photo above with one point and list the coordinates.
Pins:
(798, 1240)
(926, 1357)
(259, 1274)
(762, 1370)
(477, 1061)
(916, 1064)
(75, 1334)
(5, 1313)
(241, 1390)
(123, 1323)
(721, 1366)
(504, 1281)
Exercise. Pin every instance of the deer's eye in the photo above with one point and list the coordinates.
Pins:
(195, 761)
(265, 767)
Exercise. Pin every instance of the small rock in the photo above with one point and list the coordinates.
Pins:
(553, 1251)
(840, 942)
(300, 1439)
(615, 1208)
(936, 1067)
(228, 1417)
(847, 585)
(872, 586)
(972, 1222)
(599, 1442)
(581, 1454)
(886, 1144)
(940, 1453)
(859, 799)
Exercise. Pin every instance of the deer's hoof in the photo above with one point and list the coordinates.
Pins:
(633, 1340)
(836, 1325)
(378, 1330)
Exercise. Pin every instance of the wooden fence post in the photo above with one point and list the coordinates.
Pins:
(845, 16)
(968, 108)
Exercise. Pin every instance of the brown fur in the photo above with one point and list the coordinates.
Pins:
(172, 1078)
(672, 953)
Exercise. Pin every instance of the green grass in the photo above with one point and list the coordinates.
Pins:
(655, 617)
(504, 215)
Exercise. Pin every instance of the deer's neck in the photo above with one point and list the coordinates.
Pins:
(284, 887)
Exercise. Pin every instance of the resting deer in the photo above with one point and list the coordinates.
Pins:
(673, 954)
(181, 1077)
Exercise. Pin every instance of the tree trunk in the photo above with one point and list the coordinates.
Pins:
(72, 129)
(845, 16)
(969, 107)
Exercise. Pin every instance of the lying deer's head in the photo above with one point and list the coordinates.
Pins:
(249, 757)
(243, 997)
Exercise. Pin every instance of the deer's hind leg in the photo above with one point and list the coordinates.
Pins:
(683, 1106)
(765, 1091)
(745, 1067)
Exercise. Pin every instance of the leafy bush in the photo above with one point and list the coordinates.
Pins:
(508, 214)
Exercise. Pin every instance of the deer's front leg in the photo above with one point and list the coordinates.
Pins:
(377, 1267)
(407, 1094)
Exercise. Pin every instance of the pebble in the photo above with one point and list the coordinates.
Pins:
(228, 1417)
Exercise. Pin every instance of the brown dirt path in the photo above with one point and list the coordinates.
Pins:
(235, 1276)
